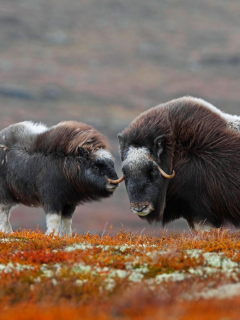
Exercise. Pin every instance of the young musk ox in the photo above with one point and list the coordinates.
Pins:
(56, 168)
(202, 145)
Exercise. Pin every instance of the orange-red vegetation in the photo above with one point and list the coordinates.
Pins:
(120, 276)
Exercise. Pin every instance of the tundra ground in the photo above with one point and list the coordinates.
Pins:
(120, 276)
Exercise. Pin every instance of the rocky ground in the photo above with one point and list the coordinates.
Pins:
(105, 61)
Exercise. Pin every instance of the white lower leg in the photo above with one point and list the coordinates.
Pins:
(202, 226)
(5, 225)
(53, 221)
(66, 224)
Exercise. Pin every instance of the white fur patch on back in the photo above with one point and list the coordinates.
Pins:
(34, 128)
(136, 158)
(103, 154)
(233, 120)
(208, 105)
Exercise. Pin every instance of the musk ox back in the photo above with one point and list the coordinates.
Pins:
(56, 168)
(202, 145)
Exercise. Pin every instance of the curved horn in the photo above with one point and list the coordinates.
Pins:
(165, 175)
(115, 181)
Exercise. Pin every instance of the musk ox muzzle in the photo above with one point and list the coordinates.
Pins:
(141, 209)
(113, 184)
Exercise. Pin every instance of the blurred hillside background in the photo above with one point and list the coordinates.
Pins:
(105, 61)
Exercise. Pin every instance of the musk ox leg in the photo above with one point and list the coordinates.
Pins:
(5, 225)
(66, 222)
(190, 223)
(66, 227)
(199, 226)
(53, 221)
(202, 226)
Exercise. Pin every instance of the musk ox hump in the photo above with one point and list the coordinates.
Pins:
(232, 120)
(67, 136)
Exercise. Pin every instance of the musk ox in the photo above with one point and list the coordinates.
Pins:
(55, 168)
(182, 159)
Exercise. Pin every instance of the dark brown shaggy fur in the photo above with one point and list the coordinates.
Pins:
(67, 136)
(205, 154)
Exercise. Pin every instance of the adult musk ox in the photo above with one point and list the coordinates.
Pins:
(182, 159)
(56, 168)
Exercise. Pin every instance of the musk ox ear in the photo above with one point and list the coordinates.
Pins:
(158, 144)
(120, 140)
(83, 153)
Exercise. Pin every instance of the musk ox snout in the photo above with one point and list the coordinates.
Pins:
(111, 187)
(141, 209)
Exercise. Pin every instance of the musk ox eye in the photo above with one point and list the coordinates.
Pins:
(98, 165)
(151, 171)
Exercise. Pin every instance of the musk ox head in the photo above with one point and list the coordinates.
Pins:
(96, 168)
(83, 155)
(144, 169)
